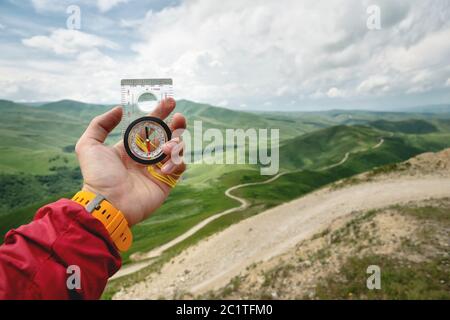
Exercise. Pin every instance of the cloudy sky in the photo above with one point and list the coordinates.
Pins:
(243, 54)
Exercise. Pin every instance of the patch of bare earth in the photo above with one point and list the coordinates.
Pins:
(389, 232)
(288, 251)
(424, 165)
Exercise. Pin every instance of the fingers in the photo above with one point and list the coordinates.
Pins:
(170, 168)
(174, 148)
(168, 146)
(164, 108)
(177, 125)
(100, 127)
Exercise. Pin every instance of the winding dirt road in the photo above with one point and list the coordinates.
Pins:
(213, 262)
(145, 259)
(136, 266)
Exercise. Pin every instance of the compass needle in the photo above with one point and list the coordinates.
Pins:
(148, 150)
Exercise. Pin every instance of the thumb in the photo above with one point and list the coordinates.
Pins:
(100, 127)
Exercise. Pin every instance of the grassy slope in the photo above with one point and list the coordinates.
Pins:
(291, 186)
(286, 188)
(394, 150)
(401, 278)
(221, 118)
(32, 136)
(201, 194)
(51, 131)
(326, 146)
(405, 126)
(410, 251)
(41, 133)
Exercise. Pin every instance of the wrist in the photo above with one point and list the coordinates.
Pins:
(110, 196)
(112, 219)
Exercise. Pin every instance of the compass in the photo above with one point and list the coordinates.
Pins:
(144, 138)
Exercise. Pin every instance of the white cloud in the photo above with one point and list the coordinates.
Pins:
(374, 84)
(61, 5)
(106, 5)
(249, 52)
(335, 93)
(240, 50)
(42, 4)
(65, 41)
(50, 5)
(91, 76)
(2, 27)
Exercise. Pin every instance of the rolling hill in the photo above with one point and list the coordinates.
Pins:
(407, 237)
(412, 126)
(320, 245)
(37, 152)
(325, 146)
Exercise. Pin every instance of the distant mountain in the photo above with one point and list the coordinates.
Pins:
(438, 108)
(405, 126)
(222, 118)
(76, 108)
(71, 105)
(4, 104)
(37, 145)
(329, 145)
(35, 104)
(32, 136)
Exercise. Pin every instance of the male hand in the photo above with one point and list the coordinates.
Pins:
(108, 170)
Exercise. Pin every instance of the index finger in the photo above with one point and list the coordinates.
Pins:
(164, 108)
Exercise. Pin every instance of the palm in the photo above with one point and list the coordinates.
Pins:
(109, 171)
(112, 173)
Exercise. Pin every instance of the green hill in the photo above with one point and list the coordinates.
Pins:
(326, 146)
(38, 164)
(405, 126)
(82, 110)
(222, 118)
(32, 138)
(298, 183)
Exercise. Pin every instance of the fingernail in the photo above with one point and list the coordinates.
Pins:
(167, 167)
(171, 102)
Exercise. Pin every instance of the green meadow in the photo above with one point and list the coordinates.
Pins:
(38, 164)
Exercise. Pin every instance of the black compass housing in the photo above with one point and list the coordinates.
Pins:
(127, 134)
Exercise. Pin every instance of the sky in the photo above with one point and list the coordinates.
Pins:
(240, 54)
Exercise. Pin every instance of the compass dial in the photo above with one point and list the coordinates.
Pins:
(144, 139)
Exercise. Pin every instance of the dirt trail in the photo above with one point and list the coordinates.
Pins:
(147, 257)
(213, 262)
(378, 144)
(144, 259)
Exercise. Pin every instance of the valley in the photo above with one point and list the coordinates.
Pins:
(228, 258)
(317, 149)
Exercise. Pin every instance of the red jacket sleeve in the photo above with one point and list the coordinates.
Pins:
(35, 258)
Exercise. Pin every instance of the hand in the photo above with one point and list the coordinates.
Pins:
(111, 172)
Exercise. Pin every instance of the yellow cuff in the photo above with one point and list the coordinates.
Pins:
(113, 219)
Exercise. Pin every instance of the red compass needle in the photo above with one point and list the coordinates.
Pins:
(147, 140)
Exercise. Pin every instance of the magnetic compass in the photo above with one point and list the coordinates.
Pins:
(144, 139)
